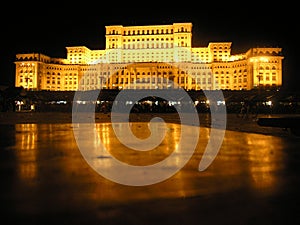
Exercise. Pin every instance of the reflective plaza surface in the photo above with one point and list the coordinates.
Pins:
(45, 179)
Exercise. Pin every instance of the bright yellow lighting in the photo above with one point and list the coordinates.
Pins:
(260, 59)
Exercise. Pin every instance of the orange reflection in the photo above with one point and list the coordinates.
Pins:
(246, 160)
(265, 159)
(26, 139)
(29, 135)
(140, 130)
(50, 153)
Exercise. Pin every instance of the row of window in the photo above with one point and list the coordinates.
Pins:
(147, 31)
(148, 45)
(179, 80)
(147, 39)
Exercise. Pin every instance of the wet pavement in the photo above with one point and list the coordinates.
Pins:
(45, 179)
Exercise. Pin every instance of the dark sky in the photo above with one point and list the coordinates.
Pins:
(49, 27)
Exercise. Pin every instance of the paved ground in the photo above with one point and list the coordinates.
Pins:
(45, 180)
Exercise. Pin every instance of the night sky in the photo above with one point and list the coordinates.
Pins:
(49, 27)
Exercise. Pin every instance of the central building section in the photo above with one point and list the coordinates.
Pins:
(147, 57)
(163, 43)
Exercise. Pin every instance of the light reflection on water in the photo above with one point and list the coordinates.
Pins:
(256, 159)
(27, 154)
(141, 131)
(266, 158)
(46, 158)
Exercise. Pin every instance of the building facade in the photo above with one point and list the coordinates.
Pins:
(147, 57)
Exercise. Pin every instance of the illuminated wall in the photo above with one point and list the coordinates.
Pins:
(149, 55)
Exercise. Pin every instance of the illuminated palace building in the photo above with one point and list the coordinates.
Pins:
(155, 56)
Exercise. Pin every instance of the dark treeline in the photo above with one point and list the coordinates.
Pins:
(264, 101)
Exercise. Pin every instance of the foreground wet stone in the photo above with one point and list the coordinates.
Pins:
(254, 179)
